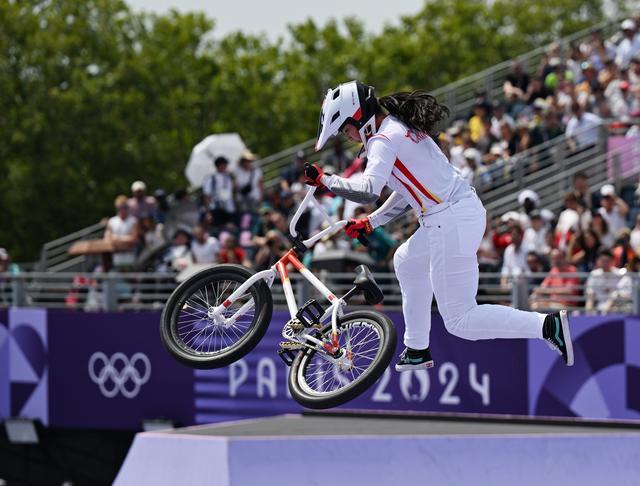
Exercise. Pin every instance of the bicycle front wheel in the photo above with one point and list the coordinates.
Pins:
(367, 341)
(190, 333)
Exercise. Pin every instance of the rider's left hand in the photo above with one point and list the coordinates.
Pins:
(358, 227)
(313, 174)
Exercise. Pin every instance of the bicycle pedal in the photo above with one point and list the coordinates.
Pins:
(310, 313)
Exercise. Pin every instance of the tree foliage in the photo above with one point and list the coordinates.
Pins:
(93, 95)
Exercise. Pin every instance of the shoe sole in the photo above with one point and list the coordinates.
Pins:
(564, 319)
(409, 367)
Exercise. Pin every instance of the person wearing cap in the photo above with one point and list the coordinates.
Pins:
(613, 210)
(249, 183)
(629, 45)
(568, 221)
(122, 232)
(140, 205)
(218, 193)
(589, 81)
(475, 173)
(582, 129)
(528, 200)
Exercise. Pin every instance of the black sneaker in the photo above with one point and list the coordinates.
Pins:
(414, 359)
(555, 331)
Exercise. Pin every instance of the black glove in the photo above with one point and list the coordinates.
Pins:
(313, 174)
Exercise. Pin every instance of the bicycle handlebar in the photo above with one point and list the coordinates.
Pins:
(333, 227)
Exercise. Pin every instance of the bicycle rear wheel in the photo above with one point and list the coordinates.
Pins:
(194, 338)
(367, 341)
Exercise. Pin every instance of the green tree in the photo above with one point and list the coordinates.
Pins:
(93, 96)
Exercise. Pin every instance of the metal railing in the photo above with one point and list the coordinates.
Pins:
(54, 256)
(557, 167)
(149, 291)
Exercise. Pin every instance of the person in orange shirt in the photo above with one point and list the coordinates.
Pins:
(557, 290)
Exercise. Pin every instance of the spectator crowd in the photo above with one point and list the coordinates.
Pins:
(234, 218)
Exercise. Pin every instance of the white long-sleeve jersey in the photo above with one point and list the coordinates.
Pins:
(411, 164)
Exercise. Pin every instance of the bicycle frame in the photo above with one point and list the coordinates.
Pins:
(280, 269)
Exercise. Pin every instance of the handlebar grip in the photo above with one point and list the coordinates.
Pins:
(364, 241)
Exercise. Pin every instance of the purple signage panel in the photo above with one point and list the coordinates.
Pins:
(629, 150)
(5, 384)
(111, 371)
(28, 364)
(480, 376)
(605, 380)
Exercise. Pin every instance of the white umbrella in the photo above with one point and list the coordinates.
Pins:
(200, 165)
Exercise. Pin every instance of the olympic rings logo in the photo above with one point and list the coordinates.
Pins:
(112, 375)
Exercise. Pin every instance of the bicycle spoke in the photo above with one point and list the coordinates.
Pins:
(361, 340)
(198, 333)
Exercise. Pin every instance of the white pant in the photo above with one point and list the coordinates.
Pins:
(440, 258)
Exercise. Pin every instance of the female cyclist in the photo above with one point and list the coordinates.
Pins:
(397, 133)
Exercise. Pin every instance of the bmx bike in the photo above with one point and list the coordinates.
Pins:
(220, 314)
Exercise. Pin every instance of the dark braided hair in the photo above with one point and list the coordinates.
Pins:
(418, 110)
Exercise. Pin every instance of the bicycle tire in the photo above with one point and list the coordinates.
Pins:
(380, 362)
(169, 331)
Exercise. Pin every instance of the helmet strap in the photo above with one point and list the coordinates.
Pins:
(368, 130)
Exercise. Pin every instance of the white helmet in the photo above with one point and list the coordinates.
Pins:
(352, 102)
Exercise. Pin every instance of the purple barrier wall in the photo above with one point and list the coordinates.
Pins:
(110, 370)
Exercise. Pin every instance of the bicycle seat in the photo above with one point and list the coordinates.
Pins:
(365, 282)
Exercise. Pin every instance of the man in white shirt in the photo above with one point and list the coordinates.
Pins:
(204, 248)
(614, 210)
(629, 45)
(249, 185)
(514, 260)
(582, 129)
(568, 221)
(122, 232)
(535, 236)
(602, 282)
(218, 191)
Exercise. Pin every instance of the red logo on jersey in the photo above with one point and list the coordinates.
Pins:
(415, 137)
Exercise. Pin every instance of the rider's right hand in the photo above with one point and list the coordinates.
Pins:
(358, 227)
(313, 174)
